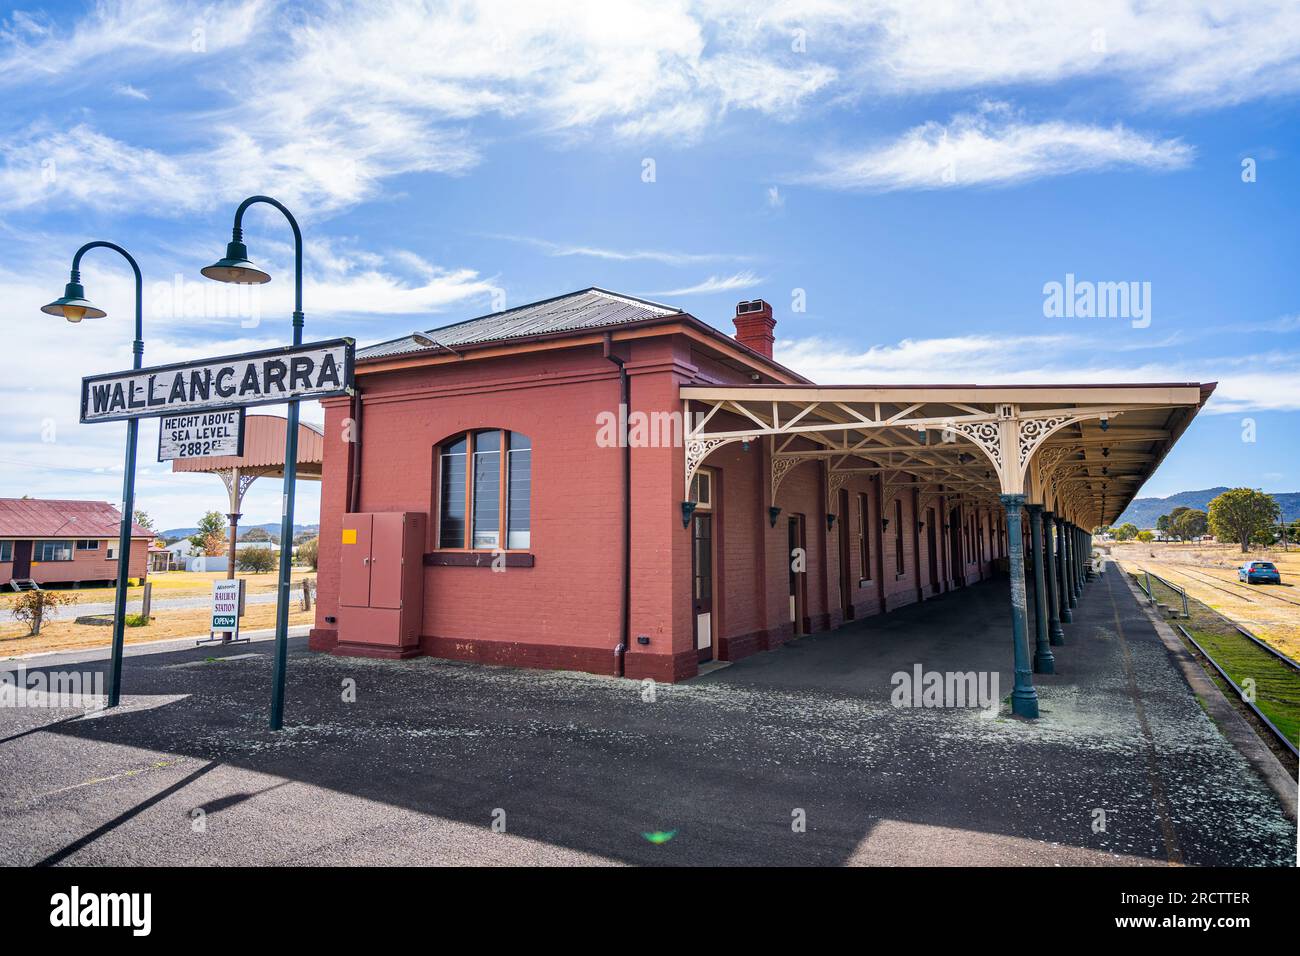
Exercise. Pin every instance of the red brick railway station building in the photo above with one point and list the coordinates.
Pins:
(484, 497)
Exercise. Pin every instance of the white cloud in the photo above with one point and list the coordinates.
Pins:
(992, 147)
(667, 257)
(715, 284)
(322, 104)
(1174, 52)
(118, 35)
(1251, 382)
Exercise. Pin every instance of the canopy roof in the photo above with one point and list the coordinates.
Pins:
(264, 451)
(1080, 450)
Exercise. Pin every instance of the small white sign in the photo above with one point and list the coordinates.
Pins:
(225, 606)
(201, 435)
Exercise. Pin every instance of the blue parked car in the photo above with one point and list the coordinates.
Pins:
(1259, 572)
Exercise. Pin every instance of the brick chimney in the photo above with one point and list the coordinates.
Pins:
(754, 325)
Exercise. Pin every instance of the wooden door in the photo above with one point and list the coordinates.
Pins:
(702, 572)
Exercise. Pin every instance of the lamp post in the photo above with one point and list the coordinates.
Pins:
(74, 307)
(235, 267)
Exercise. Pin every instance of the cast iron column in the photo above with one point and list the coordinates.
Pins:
(1055, 634)
(1044, 661)
(1074, 564)
(1024, 698)
(1063, 588)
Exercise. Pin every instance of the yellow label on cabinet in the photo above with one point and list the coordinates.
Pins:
(349, 535)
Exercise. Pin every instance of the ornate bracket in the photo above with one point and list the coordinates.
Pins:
(987, 435)
(782, 465)
(835, 480)
(1033, 432)
(698, 449)
(237, 481)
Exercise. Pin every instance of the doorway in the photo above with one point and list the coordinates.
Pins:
(703, 562)
(22, 560)
(954, 544)
(932, 547)
(797, 555)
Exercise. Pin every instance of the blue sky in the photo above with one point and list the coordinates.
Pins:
(916, 178)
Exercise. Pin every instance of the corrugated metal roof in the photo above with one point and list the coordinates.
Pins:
(61, 518)
(589, 309)
(264, 448)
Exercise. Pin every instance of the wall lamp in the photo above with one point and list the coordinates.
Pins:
(884, 524)
(830, 521)
(688, 509)
(772, 514)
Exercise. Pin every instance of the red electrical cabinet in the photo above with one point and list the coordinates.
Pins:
(381, 583)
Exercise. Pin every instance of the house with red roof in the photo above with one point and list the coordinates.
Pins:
(58, 541)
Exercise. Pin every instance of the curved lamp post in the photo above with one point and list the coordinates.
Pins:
(74, 306)
(236, 267)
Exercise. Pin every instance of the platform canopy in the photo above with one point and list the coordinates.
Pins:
(263, 457)
(1083, 451)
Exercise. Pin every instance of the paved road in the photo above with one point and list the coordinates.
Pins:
(577, 768)
(166, 603)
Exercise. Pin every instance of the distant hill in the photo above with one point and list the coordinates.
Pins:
(1143, 512)
(272, 526)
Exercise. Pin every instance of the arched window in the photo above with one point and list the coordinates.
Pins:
(485, 480)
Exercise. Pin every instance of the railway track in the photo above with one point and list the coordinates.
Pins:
(1178, 569)
(1277, 734)
(1245, 588)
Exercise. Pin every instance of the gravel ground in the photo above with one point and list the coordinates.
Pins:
(439, 762)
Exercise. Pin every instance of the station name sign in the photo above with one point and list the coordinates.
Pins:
(201, 434)
(315, 370)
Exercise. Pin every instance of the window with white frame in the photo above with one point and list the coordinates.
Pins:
(485, 491)
(702, 490)
(6, 551)
(88, 544)
(53, 551)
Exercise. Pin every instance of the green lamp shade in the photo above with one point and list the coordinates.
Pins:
(73, 305)
(235, 267)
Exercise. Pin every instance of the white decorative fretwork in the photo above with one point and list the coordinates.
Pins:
(984, 434)
(1033, 432)
(1050, 460)
(781, 466)
(698, 449)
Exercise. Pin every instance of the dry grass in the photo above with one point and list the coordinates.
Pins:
(169, 584)
(65, 635)
(1208, 572)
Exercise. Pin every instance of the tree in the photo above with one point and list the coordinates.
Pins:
(1173, 516)
(1241, 514)
(1191, 524)
(211, 536)
(257, 560)
(33, 607)
(1126, 532)
(1163, 523)
(309, 552)
(1145, 536)
(141, 517)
